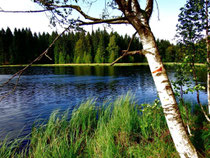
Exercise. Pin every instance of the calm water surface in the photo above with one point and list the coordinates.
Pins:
(44, 89)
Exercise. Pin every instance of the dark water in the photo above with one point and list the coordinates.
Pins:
(44, 89)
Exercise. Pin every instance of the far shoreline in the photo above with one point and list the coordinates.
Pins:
(95, 64)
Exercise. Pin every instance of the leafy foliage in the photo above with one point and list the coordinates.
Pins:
(192, 21)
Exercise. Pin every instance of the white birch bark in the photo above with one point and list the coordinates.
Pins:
(169, 104)
(208, 75)
(140, 21)
(208, 57)
(208, 89)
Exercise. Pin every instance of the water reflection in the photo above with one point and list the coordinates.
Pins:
(44, 89)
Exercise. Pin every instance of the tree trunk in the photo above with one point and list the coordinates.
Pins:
(171, 111)
(208, 57)
(169, 104)
(208, 74)
(139, 19)
(192, 65)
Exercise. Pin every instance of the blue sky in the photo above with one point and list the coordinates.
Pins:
(164, 28)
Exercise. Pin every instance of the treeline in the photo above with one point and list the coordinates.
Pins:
(23, 46)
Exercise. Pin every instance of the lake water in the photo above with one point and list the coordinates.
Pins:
(44, 89)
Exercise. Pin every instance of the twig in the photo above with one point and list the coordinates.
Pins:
(14, 88)
(19, 73)
(125, 51)
(128, 53)
(129, 45)
(124, 54)
(93, 20)
(192, 65)
(27, 11)
(48, 57)
(204, 112)
(158, 10)
(120, 20)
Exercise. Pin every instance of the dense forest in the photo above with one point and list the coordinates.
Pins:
(22, 46)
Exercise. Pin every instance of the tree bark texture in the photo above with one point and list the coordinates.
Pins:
(208, 56)
(208, 75)
(139, 19)
(169, 104)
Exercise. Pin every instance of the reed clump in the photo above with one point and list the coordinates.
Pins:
(120, 128)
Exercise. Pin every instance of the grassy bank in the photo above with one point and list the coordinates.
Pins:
(94, 64)
(119, 129)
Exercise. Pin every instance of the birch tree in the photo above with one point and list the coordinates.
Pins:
(132, 13)
(208, 53)
(193, 20)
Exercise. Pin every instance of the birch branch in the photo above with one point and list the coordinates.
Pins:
(149, 8)
(51, 7)
(120, 20)
(27, 11)
(19, 73)
(125, 51)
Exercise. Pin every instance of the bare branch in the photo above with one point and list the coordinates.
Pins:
(158, 10)
(149, 8)
(13, 89)
(77, 8)
(120, 20)
(127, 53)
(131, 40)
(48, 57)
(204, 113)
(124, 54)
(19, 73)
(28, 11)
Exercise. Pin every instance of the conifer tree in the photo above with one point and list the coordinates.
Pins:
(8, 45)
(100, 54)
(1, 47)
(88, 50)
(79, 50)
(112, 49)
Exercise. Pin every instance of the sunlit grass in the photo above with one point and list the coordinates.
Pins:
(121, 128)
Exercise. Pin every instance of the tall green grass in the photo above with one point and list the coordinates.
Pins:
(120, 129)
